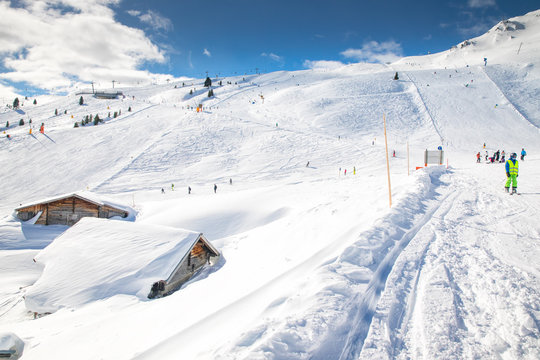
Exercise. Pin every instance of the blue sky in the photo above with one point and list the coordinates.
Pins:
(52, 45)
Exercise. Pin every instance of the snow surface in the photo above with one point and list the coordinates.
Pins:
(99, 258)
(315, 263)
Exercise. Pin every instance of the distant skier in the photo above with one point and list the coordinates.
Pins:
(503, 155)
(42, 128)
(512, 167)
(485, 61)
(162, 191)
(230, 181)
(215, 188)
(189, 190)
(523, 154)
(478, 157)
(307, 165)
(172, 187)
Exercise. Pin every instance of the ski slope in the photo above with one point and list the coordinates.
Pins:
(315, 264)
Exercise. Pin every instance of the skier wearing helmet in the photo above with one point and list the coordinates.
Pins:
(512, 168)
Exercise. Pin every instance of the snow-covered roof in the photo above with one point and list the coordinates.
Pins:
(99, 258)
(84, 195)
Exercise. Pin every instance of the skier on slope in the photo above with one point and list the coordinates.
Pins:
(512, 168)
(523, 153)
(478, 157)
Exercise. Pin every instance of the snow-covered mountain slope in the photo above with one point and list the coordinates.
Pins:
(315, 263)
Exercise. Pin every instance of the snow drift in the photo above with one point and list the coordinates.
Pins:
(98, 258)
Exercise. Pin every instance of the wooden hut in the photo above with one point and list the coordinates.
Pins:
(99, 258)
(68, 209)
(198, 254)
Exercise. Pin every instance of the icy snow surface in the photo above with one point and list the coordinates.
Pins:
(315, 263)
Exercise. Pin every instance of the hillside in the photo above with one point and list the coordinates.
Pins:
(315, 265)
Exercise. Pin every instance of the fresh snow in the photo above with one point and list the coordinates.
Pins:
(148, 253)
(315, 264)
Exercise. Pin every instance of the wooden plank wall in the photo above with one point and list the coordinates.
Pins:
(68, 211)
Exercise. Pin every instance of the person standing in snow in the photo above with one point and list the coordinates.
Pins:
(502, 156)
(512, 168)
(215, 188)
(523, 153)
(189, 190)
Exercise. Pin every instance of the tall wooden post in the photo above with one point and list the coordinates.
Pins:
(387, 162)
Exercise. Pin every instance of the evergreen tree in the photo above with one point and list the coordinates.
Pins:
(97, 119)
(191, 92)
(7, 124)
(65, 111)
(115, 114)
(35, 102)
(81, 101)
(16, 103)
(207, 82)
(129, 109)
(21, 122)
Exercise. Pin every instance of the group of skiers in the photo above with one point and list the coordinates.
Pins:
(189, 187)
(511, 166)
(497, 156)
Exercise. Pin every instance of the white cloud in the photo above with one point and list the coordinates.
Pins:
(134, 13)
(274, 57)
(156, 21)
(207, 53)
(52, 44)
(322, 64)
(481, 3)
(375, 52)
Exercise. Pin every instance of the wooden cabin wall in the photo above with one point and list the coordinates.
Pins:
(108, 212)
(68, 211)
(197, 258)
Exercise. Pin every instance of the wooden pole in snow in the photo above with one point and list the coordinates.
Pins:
(387, 162)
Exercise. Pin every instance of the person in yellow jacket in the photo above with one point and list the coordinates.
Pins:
(512, 168)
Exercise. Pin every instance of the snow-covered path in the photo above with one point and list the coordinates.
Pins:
(468, 284)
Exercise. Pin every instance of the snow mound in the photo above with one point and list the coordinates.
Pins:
(98, 258)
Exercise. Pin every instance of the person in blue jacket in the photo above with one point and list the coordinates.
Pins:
(523, 153)
(512, 168)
